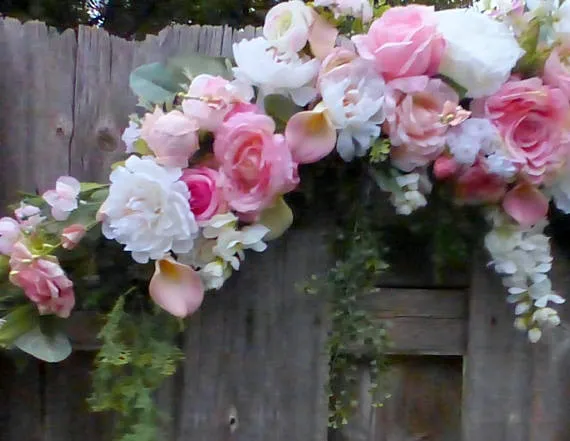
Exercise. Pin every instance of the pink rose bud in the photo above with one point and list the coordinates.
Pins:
(72, 235)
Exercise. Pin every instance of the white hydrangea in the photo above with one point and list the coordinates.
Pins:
(148, 210)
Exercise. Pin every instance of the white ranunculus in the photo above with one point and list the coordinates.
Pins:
(148, 210)
(480, 52)
(354, 97)
(355, 8)
(274, 72)
(287, 25)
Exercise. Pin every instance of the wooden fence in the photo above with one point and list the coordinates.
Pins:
(254, 354)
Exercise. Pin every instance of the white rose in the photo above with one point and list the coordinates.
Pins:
(356, 8)
(287, 25)
(480, 52)
(148, 210)
(260, 64)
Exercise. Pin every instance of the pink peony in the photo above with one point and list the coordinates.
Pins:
(205, 194)
(475, 185)
(557, 70)
(211, 98)
(415, 109)
(72, 235)
(63, 200)
(9, 235)
(173, 137)
(43, 281)
(531, 118)
(404, 42)
(256, 164)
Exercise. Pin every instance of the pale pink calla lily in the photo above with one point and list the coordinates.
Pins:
(526, 204)
(322, 37)
(310, 136)
(176, 288)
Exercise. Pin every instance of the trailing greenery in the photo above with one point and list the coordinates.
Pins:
(139, 352)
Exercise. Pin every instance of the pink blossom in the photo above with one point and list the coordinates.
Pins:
(475, 185)
(256, 163)
(206, 198)
(43, 280)
(445, 167)
(63, 200)
(211, 98)
(173, 137)
(414, 109)
(404, 42)
(9, 234)
(556, 69)
(526, 204)
(29, 216)
(72, 235)
(531, 118)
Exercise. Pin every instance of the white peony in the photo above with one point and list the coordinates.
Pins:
(354, 97)
(147, 210)
(287, 25)
(261, 64)
(355, 8)
(480, 52)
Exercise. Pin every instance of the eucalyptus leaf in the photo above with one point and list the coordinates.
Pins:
(155, 83)
(280, 108)
(197, 64)
(21, 320)
(50, 348)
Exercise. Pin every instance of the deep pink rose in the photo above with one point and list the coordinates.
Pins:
(205, 193)
(256, 164)
(172, 136)
(404, 42)
(415, 109)
(475, 185)
(556, 69)
(531, 118)
(43, 281)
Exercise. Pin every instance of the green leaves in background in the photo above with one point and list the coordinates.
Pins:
(18, 322)
(195, 64)
(156, 83)
(281, 109)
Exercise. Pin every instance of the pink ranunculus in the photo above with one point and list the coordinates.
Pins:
(172, 136)
(211, 98)
(403, 42)
(29, 216)
(531, 118)
(256, 163)
(414, 109)
(475, 185)
(43, 280)
(557, 69)
(206, 198)
(63, 200)
(72, 235)
(9, 234)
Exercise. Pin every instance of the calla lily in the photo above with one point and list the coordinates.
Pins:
(322, 37)
(278, 218)
(526, 204)
(310, 135)
(176, 288)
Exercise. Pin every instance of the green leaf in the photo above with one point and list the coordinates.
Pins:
(278, 218)
(21, 320)
(280, 108)
(50, 348)
(156, 83)
(196, 64)
(142, 148)
(90, 186)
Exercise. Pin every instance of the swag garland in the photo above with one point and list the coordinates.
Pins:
(468, 108)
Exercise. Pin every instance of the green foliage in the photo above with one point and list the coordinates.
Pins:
(156, 84)
(281, 109)
(138, 353)
(50, 347)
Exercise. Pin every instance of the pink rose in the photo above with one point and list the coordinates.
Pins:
(256, 164)
(475, 185)
(63, 200)
(556, 70)
(9, 235)
(43, 281)
(531, 119)
(173, 137)
(205, 194)
(404, 42)
(415, 109)
(72, 235)
(211, 98)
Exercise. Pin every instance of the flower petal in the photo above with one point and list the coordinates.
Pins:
(526, 204)
(278, 218)
(310, 136)
(176, 288)
(322, 37)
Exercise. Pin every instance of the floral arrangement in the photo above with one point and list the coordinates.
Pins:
(475, 99)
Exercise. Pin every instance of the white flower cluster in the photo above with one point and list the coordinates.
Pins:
(407, 192)
(523, 258)
(221, 248)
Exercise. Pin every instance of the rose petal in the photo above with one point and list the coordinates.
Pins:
(310, 136)
(176, 288)
(525, 204)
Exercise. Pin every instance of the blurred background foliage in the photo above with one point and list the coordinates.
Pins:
(135, 18)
